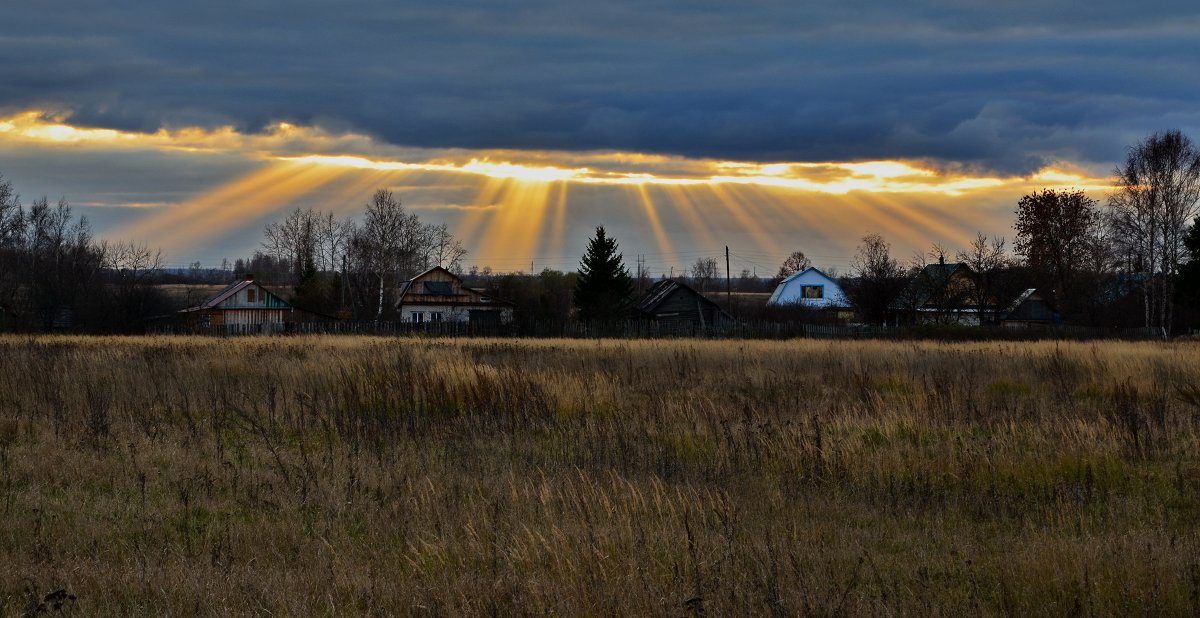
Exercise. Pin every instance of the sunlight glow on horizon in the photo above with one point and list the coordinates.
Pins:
(523, 199)
(885, 176)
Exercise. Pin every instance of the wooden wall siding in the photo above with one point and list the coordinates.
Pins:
(254, 316)
(416, 295)
(224, 317)
(1033, 309)
(683, 306)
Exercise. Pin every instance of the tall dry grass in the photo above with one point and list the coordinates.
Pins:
(412, 476)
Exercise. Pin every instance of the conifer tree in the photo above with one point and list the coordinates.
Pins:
(604, 287)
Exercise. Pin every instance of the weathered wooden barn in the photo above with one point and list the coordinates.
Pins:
(242, 307)
(438, 295)
(677, 307)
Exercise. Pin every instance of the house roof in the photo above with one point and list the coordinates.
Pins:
(1021, 299)
(662, 290)
(928, 282)
(407, 286)
(437, 288)
(1017, 303)
(796, 274)
(229, 291)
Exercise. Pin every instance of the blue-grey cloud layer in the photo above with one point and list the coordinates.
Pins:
(1002, 85)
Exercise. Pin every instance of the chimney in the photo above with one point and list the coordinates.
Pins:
(942, 259)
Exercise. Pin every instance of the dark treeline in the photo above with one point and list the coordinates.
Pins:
(346, 268)
(1131, 261)
(55, 274)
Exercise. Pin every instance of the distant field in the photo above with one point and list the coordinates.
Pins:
(328, 475)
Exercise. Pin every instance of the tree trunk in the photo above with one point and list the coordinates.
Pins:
(379, 310)
(1168, 289)
(1146, 301)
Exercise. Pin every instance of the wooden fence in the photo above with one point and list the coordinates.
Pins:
(662, 330)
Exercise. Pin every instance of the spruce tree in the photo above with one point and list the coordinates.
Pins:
(604, 287)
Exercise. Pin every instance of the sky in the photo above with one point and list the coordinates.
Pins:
(683, 127)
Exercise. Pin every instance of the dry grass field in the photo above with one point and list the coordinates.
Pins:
(350, 476)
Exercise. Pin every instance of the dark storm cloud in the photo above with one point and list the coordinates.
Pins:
(1001, 85)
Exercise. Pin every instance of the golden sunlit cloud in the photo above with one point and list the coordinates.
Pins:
(523, 198)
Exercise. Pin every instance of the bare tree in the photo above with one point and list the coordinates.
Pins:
(59, 259)
(293, 241)
(793, 264)
(1157, 193)
(12, 233)
(386, 248)
(440, 248)
(986, 258)
(12, 216)
(132, 267)
(938, 253)
(704, 271)
(333, 239)
(877, 278)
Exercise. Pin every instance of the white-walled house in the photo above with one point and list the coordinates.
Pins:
(812, 289)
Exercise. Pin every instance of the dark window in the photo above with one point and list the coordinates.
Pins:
(250, 295)
(812, 291)
(441, 288)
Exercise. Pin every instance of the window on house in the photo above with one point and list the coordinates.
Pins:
(250, 295)
(435, 316)
(812, 291)
(418, 317)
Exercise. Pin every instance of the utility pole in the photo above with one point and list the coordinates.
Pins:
(728, 288)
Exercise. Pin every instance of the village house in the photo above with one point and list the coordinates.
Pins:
(242, 307)
(679, 308)
(941, 293)
(812, 289)
(438, 295)
(1031, 309)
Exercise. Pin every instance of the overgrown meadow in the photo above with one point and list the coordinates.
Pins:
(348, 476)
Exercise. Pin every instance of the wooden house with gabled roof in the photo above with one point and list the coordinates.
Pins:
(1031, 309)
(678, 307)
(244, 306)
(438, 295)
(942, 293)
